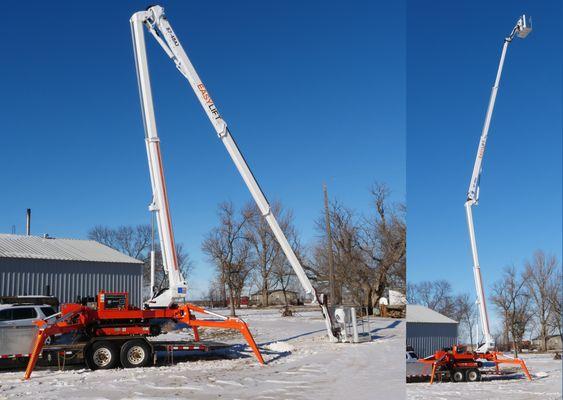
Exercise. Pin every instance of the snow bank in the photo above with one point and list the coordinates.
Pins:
(280, 347)
(300, 365)
(545, 385)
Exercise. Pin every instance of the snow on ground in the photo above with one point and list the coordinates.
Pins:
(546, 384)
(301, 364)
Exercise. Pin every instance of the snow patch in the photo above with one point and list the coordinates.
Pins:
(280, 347)
(302, 364)
(546, 384)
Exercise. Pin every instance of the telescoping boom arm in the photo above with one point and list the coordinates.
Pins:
(177, 290)
(157, 24)
(521, 29)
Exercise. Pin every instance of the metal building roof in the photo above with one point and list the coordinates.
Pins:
(418, 313)
(37, 247)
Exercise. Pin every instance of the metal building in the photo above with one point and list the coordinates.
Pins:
(65, 268)
(428, 330)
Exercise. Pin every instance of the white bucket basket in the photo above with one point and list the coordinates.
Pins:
(352, 328)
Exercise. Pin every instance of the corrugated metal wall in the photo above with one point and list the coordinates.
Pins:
(426, 338)
(69, 279)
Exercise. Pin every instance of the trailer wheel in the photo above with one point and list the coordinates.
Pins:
(473, 375)
(135, 354)
(457, 375)
(102, 355)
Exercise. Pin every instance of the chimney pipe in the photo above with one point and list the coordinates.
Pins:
(28, 222)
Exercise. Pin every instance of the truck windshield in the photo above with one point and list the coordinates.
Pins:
(48, 311)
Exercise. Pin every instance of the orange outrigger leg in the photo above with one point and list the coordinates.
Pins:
(224, 323)
(433, 373)
(67, 323)
(70, 322)
(37, 347)
(499, 358)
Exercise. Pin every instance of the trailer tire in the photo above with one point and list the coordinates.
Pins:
(135, 354)
(457, 375)
(103, 354)
(473, 375)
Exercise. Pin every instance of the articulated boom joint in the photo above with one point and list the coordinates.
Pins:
(154, 20)
(223, 132)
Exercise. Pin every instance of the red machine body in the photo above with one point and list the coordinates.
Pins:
(463, 365)
(112, 320)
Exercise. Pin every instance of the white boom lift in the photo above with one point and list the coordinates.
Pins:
(157, 24)
(522, 29)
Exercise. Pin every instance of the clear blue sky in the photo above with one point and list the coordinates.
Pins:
(453, 50)
(312, 91)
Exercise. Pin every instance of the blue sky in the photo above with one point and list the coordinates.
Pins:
(312, 91)
(453, 50)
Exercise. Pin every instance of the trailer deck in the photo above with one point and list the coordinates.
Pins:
(73, 353)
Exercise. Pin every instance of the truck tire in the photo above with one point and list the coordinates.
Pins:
(102, 355)
(473, 375)
(457, 375)
(135, 353)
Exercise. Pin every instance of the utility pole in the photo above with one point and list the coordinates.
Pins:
(333, 299)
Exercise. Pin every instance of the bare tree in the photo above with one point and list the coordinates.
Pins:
(282, 271)
(215, 293)
(511, 298)
(436, 295)
(160, 274)
(502, 301)
(383, 242)
(498, 337)
(369, 252)
(265, 245)
(135, 241)
(539, 276)
(131, 240)
(412, 293)
(230, 251)
(466, 314)
(555, 298)
(284, 276)
(349, 267)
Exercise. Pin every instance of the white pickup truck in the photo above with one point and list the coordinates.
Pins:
(23, 314)
(411, 356)
(17, 330)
